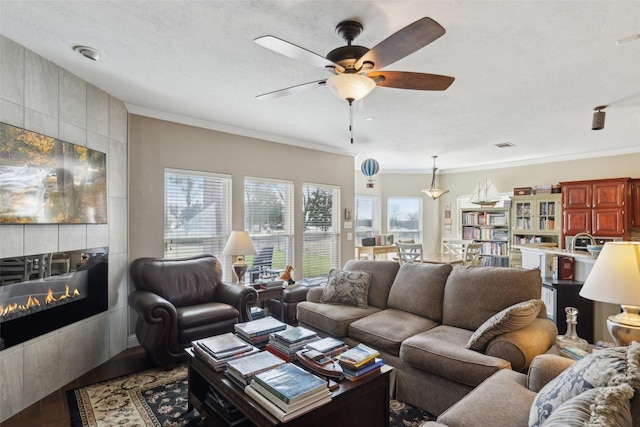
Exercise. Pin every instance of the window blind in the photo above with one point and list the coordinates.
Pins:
(268, 217)
(321, 230)
(197, 213)
(367, 217)
(404, 218)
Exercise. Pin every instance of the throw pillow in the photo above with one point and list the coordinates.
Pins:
(347, 288)
(602, 368)
(508, 320)
(603, 406)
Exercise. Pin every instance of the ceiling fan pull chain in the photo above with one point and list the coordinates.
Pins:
(351, 118)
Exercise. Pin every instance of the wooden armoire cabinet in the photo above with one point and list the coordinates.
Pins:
(598, 207)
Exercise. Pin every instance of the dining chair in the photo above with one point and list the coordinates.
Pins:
(471, 255)
(409, 252)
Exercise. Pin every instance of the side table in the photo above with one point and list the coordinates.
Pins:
(265, 295)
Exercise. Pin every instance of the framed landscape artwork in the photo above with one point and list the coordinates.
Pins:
(44, 180)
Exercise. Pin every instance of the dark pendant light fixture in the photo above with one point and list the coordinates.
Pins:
(598, 118)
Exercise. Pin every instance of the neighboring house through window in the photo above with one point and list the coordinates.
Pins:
(197, 213)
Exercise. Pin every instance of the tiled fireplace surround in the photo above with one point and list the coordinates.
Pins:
(38, 95)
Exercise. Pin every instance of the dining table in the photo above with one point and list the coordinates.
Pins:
(440, 258)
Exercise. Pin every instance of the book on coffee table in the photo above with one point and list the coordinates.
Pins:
(246, 368)
(290, 383)
(223, 345)
(357, 356)
(259, 327)
(282, 415)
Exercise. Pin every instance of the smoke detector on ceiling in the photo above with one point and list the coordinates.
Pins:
(87, 52)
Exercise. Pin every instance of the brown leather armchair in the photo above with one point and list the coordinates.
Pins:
(180, 300)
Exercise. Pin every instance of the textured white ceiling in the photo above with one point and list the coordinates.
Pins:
(527, 72)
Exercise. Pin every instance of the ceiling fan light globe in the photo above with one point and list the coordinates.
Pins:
(350, 86)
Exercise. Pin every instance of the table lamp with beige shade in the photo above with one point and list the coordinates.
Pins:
(615, 279)
(239, 245)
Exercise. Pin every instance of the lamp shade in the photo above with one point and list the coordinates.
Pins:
(239, 243)
(350, 86)
(615, 276)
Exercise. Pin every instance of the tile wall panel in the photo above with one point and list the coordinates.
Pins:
(46, 99)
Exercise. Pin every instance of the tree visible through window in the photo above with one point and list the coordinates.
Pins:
(321, 234)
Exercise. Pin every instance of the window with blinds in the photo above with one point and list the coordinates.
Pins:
(404, 218)
(367, 217)
(268, 217)
(197, 213)
(321, 230)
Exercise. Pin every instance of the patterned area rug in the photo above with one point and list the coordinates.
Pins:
(159, 398)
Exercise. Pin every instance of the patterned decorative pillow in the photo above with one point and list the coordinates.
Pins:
(602, 368)
(602, 406)
(347, 288)
(508, 320)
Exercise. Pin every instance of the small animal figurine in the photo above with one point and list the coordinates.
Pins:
(286, 275)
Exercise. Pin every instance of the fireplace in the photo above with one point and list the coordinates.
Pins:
(42, 293)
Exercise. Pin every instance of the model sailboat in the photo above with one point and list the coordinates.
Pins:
(485, 194)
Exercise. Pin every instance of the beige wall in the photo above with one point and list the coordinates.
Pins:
(155, 145)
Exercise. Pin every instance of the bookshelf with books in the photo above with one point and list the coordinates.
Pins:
(489, 227)
(536, 219)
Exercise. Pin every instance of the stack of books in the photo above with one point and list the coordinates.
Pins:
(288, 391)
(225, 409)
(218, 350)
(257, 332)
(257, 313)
(360, 362)
(241, 371)
(284, 344)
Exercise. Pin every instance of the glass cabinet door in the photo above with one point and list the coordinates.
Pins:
(547, 220)
(522, 217)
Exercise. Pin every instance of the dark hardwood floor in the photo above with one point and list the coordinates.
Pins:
(53, 410)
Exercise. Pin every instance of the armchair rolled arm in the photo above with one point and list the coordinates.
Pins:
(239, 296)
(152, 307)
(521, 346)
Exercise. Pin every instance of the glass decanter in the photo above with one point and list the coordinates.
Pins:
(571, 338)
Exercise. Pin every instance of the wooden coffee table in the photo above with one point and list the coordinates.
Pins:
(359, 403)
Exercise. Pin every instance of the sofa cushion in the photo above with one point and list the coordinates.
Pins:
(386, 329)
(347, 288)
(602, 368)
(382, 274)
(488, 290)
(331, 318)
(611, 408)
(419, 288)
(441, 351)
(508, 320)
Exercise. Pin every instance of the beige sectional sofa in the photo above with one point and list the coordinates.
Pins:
(421, 317)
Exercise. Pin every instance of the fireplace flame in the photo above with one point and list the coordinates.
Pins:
(33, 302)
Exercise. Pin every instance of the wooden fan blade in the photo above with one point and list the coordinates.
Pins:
(408, 80)
(402, 43)
(296, 52)
(293, 89)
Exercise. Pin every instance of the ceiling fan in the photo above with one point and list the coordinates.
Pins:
(356, 69)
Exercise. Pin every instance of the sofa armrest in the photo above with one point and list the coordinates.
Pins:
(315, 293)
(239, 296)
(544, 368)
(521, 346)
